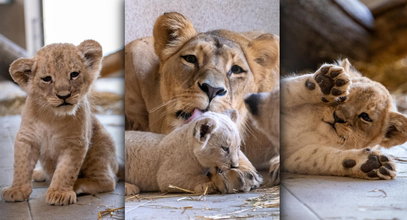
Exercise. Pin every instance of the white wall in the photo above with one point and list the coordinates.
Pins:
(236, 15)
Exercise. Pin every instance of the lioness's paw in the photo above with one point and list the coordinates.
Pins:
(56, 197)
(333, 82)
(236, 180)
(17, 193)
(374, 165)
(131, 189)
(274, 171)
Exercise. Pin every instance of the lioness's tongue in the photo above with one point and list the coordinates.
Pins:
(195, 114)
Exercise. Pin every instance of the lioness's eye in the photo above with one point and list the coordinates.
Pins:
(74, 75)
(190, 58)
(364, 116)
(236, 69)
(47, 79)
(226, 149)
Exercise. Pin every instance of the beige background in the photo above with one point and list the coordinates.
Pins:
(236, 15)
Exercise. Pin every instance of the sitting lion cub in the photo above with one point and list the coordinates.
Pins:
(183, 157)
(333, 118)
(58, 127)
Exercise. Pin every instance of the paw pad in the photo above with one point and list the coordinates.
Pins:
(378, 167)
(333, 82)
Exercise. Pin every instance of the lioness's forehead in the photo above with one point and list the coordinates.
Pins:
(57, 57)
(216, 41)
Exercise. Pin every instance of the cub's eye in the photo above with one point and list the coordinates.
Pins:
(47, 79)
(226, 149)
(236, 69)
(74, 75)
(190, 59)
(364, 116)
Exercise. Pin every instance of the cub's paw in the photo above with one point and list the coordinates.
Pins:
(373, 165)
(17, 193)
(39, 175)
(236, 180)
(208, 187)
(56, 197)
(131, 189)
(334, 83)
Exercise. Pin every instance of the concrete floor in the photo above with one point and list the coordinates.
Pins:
(326, 197)
(87, 206)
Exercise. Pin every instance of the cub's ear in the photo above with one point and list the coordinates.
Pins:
(265, 50)
(347, 66)
(204, 128)
(171, 30)
(21, 70)
(92, 52)
(396, 130)
(232, 114)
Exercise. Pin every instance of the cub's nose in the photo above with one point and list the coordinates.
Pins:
(63, 97)
(212, 92)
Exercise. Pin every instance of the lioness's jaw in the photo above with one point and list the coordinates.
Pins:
(171, 30)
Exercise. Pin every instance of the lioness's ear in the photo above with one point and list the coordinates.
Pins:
(21, 70)
(92, 52)
(204, 128)
(265, 50)
(396, 130)
(171, 30)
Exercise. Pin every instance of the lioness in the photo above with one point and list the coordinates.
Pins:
(58, 127)
(181, 71)
(332, 119)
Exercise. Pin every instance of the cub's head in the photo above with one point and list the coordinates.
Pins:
(59, 76)
(211, 71)
(216, 140)
(367, 118)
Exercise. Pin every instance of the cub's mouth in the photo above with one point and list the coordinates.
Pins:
(64, 104)
(189, 116)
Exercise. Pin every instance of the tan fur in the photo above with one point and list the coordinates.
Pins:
(264, 111)
(159, 84)
(314, 144)
(68, 140)
(183, 157)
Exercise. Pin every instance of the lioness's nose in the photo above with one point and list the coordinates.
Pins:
(212, 92)
(64, 96)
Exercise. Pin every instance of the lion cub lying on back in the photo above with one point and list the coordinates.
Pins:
(183, 157)
(332, 119)
(58, 127)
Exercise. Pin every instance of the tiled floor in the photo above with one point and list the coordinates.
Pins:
(87, 206)
(322, 197)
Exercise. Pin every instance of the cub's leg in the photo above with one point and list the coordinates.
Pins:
(360, 163)
(26, 154)
(329, 84)
(99, 169)
(131, 189)
(243, 178)
(60, 191)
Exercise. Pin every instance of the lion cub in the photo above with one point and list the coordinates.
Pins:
(183, 157)
(264, 110)
(58, 127)
(332, 120)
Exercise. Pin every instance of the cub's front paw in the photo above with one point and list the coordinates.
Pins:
(17, 193)
(236, 180)
(131, 189)
(333, 82)
(57, 197)
(208, 187)
(373, 165)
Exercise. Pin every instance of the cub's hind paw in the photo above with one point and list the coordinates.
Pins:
(131, 189)
(56, 197)
(333, 82)
(16, 193)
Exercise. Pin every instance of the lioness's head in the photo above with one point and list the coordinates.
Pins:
(60, 75)
(211, 71)
(367, 118)
(217, 140)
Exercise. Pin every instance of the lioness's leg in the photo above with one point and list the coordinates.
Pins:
(328, 84)
(362, 163)
(26, 155)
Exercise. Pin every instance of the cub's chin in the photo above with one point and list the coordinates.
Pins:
(66, 109)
